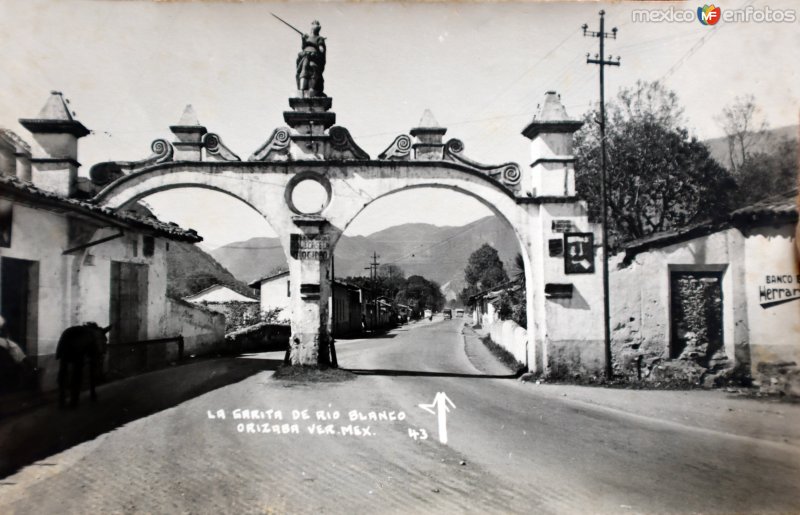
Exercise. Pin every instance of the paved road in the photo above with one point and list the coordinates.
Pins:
(512, 447)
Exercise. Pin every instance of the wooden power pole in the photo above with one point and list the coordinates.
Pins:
(601, 60)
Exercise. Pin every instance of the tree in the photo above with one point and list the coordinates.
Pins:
(762, 165)
(391, 279)
(769, 173)
(421, 294)
(659, 178)
(484, 270)
(744, 128)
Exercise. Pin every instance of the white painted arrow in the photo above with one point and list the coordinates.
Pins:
(440, 402)
(584, 263)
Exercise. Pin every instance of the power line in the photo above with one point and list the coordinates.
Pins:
(527, 71)
(698, 44)
(466, 228)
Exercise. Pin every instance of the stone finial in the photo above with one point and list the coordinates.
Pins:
(54, 155)
(428, 120)
(428, 137)
(56, 108)
(189, 136)
(189, 117)
(552, 109)
(551, 172)
(551, 118)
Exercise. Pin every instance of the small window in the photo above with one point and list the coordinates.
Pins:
(135, 247)
(556, 247)
(148, 246)
(557, 291)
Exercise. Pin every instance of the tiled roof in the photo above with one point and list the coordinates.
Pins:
(783, 207)
(257, 282)
(15, 140)
(23, 189)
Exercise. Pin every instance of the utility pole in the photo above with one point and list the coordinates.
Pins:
(601, 60)
(373, 275)
(373, 266)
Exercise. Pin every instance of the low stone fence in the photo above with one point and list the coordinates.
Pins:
(202, 330)
(259, 337)
(513, 338)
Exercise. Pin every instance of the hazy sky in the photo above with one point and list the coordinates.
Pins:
(129, 68)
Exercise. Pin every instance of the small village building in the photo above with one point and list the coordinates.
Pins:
(218, 294)
(275, 292)
(65, 261)
(230, 303)
(712, 301)
(347, 312)
(486, 304)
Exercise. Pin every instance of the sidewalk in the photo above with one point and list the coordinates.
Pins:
(41, 431)
(765, 419)
(707, 410)
(480, 356)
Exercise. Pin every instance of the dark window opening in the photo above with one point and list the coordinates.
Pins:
(19, 301)
(148, 246)
(556, 247)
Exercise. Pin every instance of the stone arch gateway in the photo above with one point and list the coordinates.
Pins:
(564, 304)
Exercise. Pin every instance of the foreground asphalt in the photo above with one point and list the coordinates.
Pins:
(366, 446)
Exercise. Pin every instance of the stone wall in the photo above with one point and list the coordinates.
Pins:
(258, 338)
(513, 338)
(203, 330)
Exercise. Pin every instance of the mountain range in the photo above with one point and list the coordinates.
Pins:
(436, 253)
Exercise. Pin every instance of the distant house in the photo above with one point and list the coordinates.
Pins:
(347, 312)
(487, 303)
(218, 294)
(222, 299)
(275, 292)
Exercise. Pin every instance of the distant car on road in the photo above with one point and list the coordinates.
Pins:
(459, 313)
(428, 314)
(448, 313)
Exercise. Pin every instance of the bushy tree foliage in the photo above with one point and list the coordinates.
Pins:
(768, 173)
(421, 294)
(744, 129)
(762, 164)
(416, 291)
(659, 177)
(484, 270)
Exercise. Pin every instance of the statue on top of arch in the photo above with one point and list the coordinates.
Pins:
(310, 60)
(311, 63)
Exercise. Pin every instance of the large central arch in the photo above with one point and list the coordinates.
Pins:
(314, 150)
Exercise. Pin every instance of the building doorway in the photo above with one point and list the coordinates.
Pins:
(128, 317)
(19, 300)
(697, 331)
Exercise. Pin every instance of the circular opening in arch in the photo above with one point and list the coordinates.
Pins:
(309, 194)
